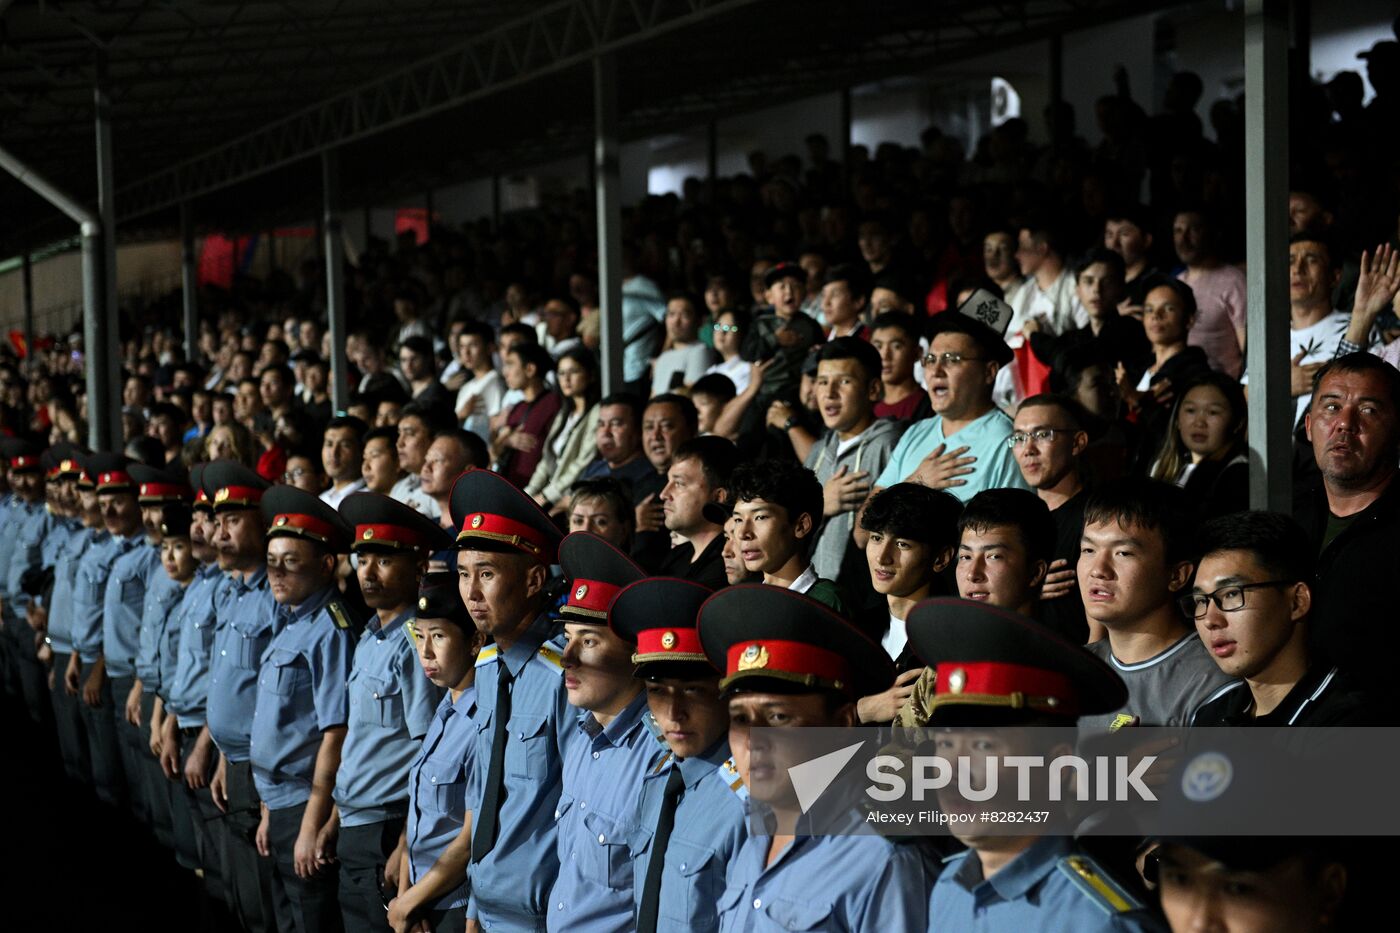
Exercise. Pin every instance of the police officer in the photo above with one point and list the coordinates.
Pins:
(790, 661)
(60, 497)
(693, 812)
(30, 524)
(188, 754)
(246, 621)
(391, 705)
(85, 526)
(154, 489)
(433, 878)
(95, 585)
(299, 720)
(505, 545)
(993, 667)
(603, 770)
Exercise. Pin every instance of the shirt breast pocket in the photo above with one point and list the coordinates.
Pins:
(603, 854)
(798, 915)
(381, 701)
(449, 789)
(289, 673)
(701, 884)
(248, 651)
(133, 590)
(532, 735)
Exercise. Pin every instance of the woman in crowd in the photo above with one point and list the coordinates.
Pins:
(569, 445)
(1204, 451)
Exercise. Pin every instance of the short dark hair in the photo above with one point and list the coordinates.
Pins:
(432, 416)
(1315, 235)
(915, 512)
(856, 277)
(742, 320)
(717, 457)
(419, 345)
(1149, 504)
(477, 329)
(386, 432)
(471, 443)
(1360, 362)
(1100, 255)
(629, 401)
(1277, 541)
(899, 320)
(282, 370)
(532, 354)
(351, 422)
(684, 405)
(522, 330)
(1184, 293)
(782, 482)
(1013, 508)
(609, 489)
(853, 348)
(1079, 418)
(717, 385)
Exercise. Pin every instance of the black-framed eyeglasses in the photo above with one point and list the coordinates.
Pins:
(1039, 435)
(948, 360)
(1227, 598)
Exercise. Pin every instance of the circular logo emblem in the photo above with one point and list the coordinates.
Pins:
(582, 591)
(753, 656)
(1207, 777)
(476, 521)
(668, 640)
(422, 602)
(281, 520)
(144, 489)
(164, 528)
(368, 535)
(957, 680)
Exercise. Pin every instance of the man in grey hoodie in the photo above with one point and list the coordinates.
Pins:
(849, 455)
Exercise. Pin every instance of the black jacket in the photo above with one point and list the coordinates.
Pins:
(1354, 621)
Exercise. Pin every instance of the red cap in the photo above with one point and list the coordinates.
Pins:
(788, 660)
(303, 526)
(668, 644)
(396, 536)
(164, 492)
(1001, 684)
(237, 496)
(500, 528)
(114, 481)
(590, 598)
(23, 463)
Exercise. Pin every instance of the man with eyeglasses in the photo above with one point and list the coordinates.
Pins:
(1251, 602)
(1048, 438)
(962, 448)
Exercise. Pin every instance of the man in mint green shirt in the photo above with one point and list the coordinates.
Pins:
(963, 447)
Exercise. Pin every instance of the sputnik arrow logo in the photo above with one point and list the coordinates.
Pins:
(811, 778)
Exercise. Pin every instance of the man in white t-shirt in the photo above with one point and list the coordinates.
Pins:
(479, 398)
(686, 359)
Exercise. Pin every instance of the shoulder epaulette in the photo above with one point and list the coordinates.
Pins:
(338, 614)
(661, 763)
(653, 727)
(1096, 885)
(551, 657)
(410, 631)
(731, 777)
(487, 655)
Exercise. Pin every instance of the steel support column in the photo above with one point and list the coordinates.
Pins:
(100, 334)
(335, 278)
(1266, 252)
(27, 278)
(607, 186)
(188, 285)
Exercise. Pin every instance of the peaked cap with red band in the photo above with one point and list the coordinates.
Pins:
(596, 572)
(381, 523)
(492, 515)
(154, 486)
(231, 485)
(659, 616)
(770, 639)
(996, 666)
(62, 461)
(109, 472)
(21, 456)
(292, 512)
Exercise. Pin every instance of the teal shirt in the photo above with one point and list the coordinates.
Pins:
(985, 439)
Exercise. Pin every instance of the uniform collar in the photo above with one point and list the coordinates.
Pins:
(697, 768)
(252, 581)
(1023, 873)
(465, 705)
(622, 726)
(519, 654)
(373, 627)
(314, 604)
